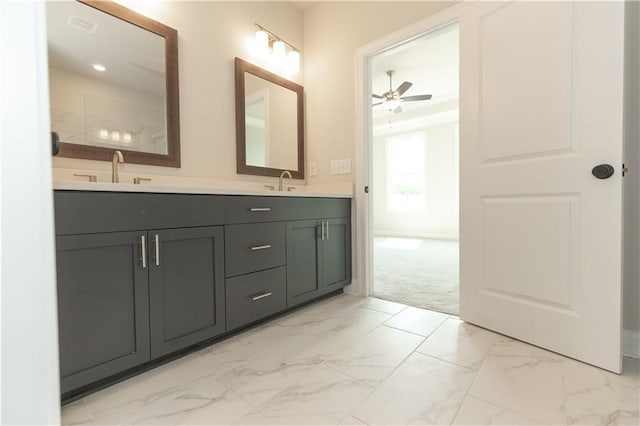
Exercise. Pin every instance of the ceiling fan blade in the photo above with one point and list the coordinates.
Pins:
(397, 110)
(377, 96)
(415, 98)
(377, 103)
(403, 87)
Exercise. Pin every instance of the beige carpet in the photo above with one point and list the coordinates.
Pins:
(417, 272)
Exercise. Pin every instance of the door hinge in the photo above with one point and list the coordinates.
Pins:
(366, 189)
(625, 169)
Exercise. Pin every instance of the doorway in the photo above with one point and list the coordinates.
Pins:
(414, 149)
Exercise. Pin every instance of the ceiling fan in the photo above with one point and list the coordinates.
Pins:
(393, 98)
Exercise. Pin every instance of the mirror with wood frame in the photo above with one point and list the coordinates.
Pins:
(269, 123)
(113, 78)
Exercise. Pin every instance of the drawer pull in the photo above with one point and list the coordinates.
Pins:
(266, 246)
(143, 249)
(260, 209)
(157, 250)
(261, 296)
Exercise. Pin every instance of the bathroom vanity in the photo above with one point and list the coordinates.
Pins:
(144, 275)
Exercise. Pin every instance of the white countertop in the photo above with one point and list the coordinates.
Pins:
(129, 187)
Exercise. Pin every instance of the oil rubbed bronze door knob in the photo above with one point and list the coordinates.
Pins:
(603, 171)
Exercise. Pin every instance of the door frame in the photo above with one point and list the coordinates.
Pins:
(363, 136)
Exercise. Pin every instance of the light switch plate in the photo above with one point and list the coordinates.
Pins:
(313, 170)
(341, 167)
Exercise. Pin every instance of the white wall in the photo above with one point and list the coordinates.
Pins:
(332, 33)
(210, 36)
(440, 216)
(29, 369)
(631, 272)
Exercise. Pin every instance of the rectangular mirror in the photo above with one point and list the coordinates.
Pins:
(113, 78)
(269, 123)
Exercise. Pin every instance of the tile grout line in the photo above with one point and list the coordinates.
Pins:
(414, 333)
(388, 375)
(466, 394)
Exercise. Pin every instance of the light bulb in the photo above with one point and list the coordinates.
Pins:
(262, 40)
(392, 105)
(294, 61)
(115, 136)
(99, 67)
(126, 137)
(104, 134)
(279, 50)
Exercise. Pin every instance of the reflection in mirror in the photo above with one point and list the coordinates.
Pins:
(269, 119)
(262, 126)
(113, 83)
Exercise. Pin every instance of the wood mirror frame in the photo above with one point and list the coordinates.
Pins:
(170, 35)
(242, 67)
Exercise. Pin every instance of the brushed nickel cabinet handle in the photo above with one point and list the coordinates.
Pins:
(139, 180)
(260, 209)
(262, 296)
(266, 246)
(322, 230)
(327, 229)
(143, 248)
(157, 250)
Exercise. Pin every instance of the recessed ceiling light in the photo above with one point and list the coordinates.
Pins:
(99, 67)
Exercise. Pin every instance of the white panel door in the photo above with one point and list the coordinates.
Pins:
(540, 106)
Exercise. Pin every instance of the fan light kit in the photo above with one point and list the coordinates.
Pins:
(274, 46)
(393, 99)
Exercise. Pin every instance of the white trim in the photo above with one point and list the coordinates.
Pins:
(30, 383)
(420, 235)
(631, 343)
(363, 120)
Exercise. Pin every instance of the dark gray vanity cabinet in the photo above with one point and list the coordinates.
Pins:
(318, 258)
(139, 276)
(103, 306)
(142, 276)
(186, 287)
(304, 257)
(335, 267)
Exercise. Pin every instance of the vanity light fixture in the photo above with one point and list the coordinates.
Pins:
(279, 49)
(294, 60)
(262, 40)
(99, 67)
(265, 39)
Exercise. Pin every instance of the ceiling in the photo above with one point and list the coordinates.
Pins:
(134, 57)
(430, 62)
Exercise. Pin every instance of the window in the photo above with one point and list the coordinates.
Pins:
(405, 172)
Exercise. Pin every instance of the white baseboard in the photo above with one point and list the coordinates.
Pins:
(631, 343)
(353, 288)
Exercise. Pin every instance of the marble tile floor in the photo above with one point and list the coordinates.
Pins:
(363, 361)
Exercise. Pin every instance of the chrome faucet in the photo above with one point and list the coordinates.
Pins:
(284, 172)
(117, 158)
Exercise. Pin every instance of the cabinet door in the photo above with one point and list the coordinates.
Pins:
(103, 310)
(186, 287)
(335, 270)
(303, 255)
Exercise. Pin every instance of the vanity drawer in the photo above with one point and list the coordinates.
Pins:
(254, 296)
(253, 247)
(86, 212)
(250, 209)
